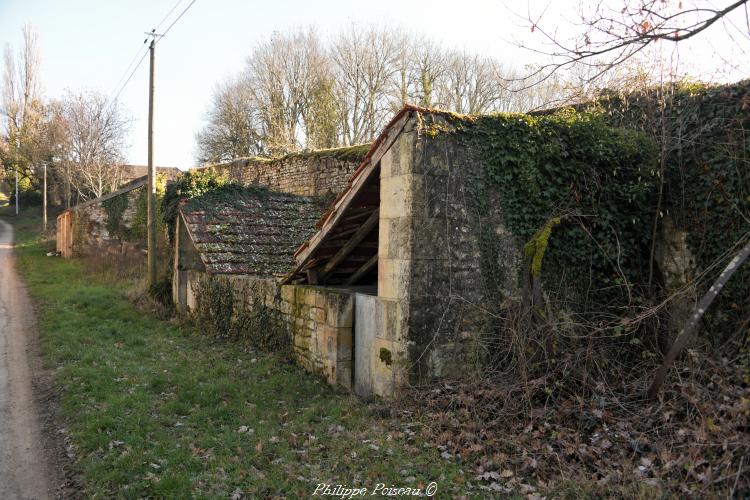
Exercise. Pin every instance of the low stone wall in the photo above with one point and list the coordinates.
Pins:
(319, 321)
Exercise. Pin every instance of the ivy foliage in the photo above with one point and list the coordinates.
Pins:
(703, 135)
(136, 229)
(597, 182)
(239, 311)
(191, 184)
(115, 208)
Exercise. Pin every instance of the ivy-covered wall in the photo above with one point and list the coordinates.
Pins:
(109, 225)
(115, 222)
(704, 161)
(462, 197)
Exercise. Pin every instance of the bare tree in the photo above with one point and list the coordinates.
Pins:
(612, 33)
(283, 74)
(22, 106)
(402, 82)
(233, 127)
(96, 132)
(471, 84)
(429, 66)
(364, 64)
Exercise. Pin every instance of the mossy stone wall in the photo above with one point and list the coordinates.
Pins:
(107, 226)
(317, 174)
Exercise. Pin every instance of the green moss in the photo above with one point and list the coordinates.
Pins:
(386, 356)
(354, 153)
(535, 248)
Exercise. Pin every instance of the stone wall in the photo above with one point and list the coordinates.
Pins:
(438, 280)
(319, 173)
(89, 226)
(319, 321)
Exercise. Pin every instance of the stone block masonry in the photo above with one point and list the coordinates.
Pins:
(89, 233)
(319, 321)
(322, 173)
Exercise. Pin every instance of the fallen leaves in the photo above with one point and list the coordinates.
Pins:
(691, 442)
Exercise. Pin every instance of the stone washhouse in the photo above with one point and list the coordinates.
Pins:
(386, 290)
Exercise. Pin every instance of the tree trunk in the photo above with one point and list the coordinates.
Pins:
(692, 325)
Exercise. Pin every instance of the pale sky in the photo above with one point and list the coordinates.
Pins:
(87, 43)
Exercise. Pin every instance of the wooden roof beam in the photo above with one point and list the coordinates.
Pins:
(360, 273)
(350, 245)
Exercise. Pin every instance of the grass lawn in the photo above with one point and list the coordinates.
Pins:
(155, 410)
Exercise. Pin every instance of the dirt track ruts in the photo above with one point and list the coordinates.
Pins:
(23, 467)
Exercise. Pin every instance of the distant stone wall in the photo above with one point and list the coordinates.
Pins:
(319, 173)
(89, 226)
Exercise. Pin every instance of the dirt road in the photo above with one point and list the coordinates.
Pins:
(23, 470)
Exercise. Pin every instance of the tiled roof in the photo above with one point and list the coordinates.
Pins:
(249, 230)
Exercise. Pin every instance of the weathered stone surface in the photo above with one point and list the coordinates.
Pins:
(90, 235)
(307, 174)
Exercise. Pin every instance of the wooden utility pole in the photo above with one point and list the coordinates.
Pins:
(151, 205)
(16, 190)
(44, 199)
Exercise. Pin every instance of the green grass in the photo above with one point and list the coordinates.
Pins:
(154, 410)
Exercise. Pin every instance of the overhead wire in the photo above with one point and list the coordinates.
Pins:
(120, 85)
(178, 18)
(168, 14)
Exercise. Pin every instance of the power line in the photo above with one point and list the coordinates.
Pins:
(114, 100)
(124, 74)
(143, 56)
(168, 14)
(178, 18)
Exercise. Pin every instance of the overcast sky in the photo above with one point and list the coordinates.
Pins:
(87, 43)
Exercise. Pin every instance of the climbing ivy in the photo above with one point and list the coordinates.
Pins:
(136, 228)
(115, 208)
(600, 178)
(191, 184)
(702, 131)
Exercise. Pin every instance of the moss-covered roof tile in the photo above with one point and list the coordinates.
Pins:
(249, 230)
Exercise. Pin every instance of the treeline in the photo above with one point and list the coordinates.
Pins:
(298, 91)
(78, 138)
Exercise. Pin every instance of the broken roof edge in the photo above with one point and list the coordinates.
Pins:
(128, 186)
(379, 147)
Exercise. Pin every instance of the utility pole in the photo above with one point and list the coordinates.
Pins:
(16, 190)
(151, 205)
(44, 199)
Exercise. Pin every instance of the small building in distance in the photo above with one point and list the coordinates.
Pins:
(114, 223)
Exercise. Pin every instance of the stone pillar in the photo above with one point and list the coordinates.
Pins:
(398, 184)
